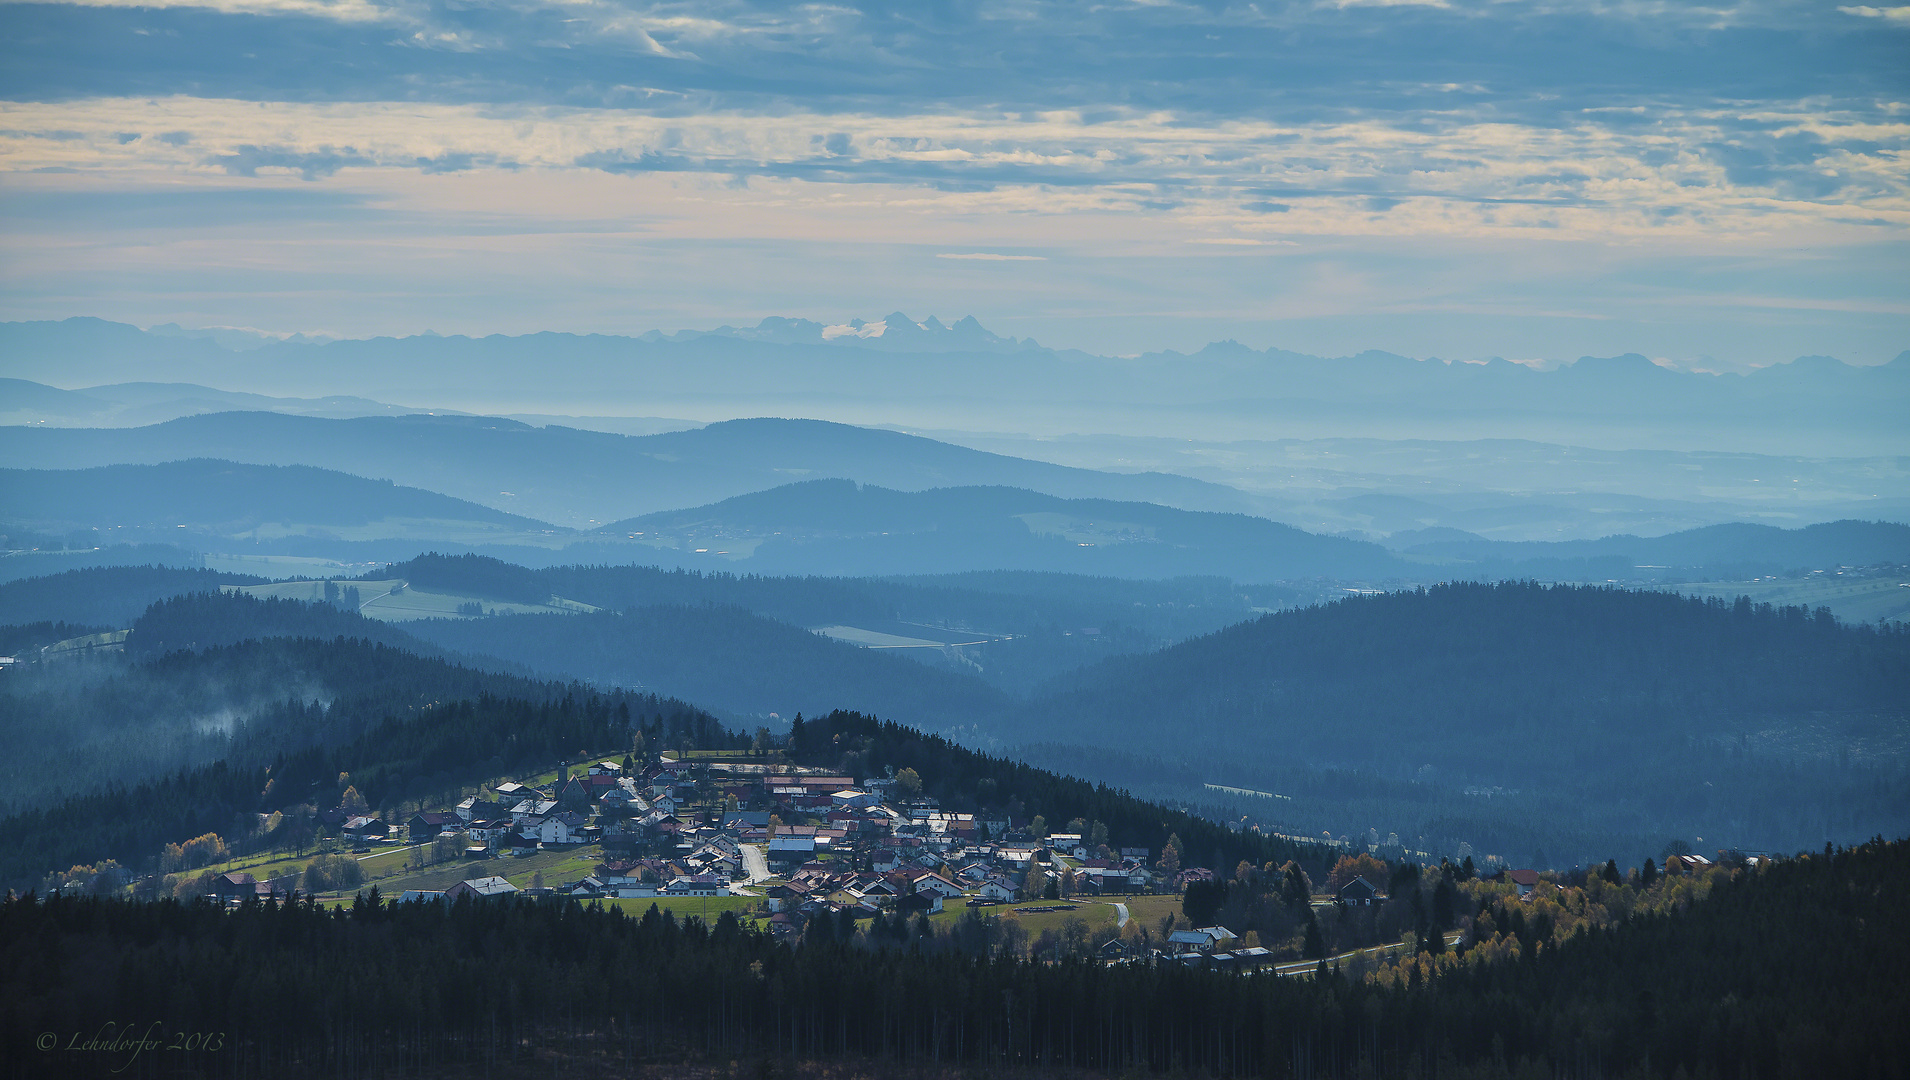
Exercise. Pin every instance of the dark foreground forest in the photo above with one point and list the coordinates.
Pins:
(1791, 970)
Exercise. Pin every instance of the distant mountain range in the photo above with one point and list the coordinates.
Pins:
(1757, 549)
(550, 470)
(924, 372)
(834, 527)
(588, 478)
(135, 404)
(823, 527)
(202, 502)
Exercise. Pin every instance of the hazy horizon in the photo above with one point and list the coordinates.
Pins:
(1718, 186)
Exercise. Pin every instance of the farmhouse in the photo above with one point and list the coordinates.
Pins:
(426, 826)
(1526, 881)
(1359, 892)
(478, 888)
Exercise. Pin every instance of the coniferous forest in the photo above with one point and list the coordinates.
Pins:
(1793, 969)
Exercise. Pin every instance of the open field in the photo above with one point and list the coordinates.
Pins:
(390, 871)
(1094, 912)
(390, 866)
(1149, 909)
(870, 639)
(1851, 598)
(906, 635)
(111, 639)
(285, 566)
(706, 908)
(393, 601)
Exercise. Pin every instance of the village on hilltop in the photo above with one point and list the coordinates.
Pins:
(808, 843)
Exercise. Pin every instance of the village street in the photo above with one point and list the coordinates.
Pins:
(754, 863)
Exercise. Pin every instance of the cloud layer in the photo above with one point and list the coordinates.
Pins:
(1770, 134)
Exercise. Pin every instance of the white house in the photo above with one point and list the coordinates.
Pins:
(999, 888)
(695, 885)
(1527, 881)
(564, 828)
(939, 885)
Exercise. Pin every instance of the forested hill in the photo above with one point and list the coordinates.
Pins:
(669, 633)
(1735, 550)
(418, 729)
(1005, 602)
(838, 527)
(728, 660)
(1478, 666)
(111, 596)
(685, 633)
(1642, 708)
(209, 677)
(224, 497)
(199, 620)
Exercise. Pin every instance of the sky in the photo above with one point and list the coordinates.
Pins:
(1714, 185)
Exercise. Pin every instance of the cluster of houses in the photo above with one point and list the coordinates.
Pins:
(1207, 947)
(818, 844)
(826, 843)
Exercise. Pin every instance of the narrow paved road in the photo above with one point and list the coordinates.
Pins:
(754, 863)
(389, 851)
(1307, 967)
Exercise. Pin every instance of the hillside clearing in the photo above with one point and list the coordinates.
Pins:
(397, 601)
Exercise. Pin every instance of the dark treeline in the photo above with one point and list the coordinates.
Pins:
(225, 498)
(389, 989)
(1602, 704)
(995, 602)
(725, 659)
(202, 620)
(30, 637)
(1626, 657)
(967, 780)
(109, 596)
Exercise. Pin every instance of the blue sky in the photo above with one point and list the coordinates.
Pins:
(1715, 185)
